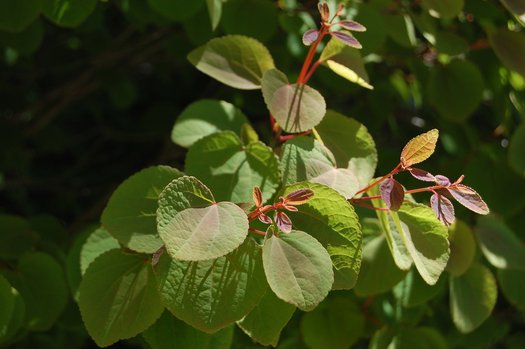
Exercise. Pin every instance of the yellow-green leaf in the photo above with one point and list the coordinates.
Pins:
(419, 148)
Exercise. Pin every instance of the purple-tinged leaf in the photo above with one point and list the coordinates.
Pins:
(290, 208)
(443, 209)
(346, 39)
(283, 222)
(469, 198)
(265, 219)
(422, 175)
(310, 36)
(324, 10)
(257, 197)
(442, 180)
(392, 193)
(298, 197)
(352, 25)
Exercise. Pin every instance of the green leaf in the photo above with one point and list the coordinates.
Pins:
(180, 194)
(214, 11)
(351, 144)
(13, 312)
(16, 15)
(499, 244)
(472, 297)
(418, 338)
(176, 10)
(371, 17)
(517, 149)
(97, 243)
(253, 18)
(231, 169)
(445, 9)
(512, 283)
(509, 46)
(205, 117)
(118, 297)
(377, 260)
(196, 234)
(169, 332)
(25, 42)
(130, 213)
(330, 219)
(455, 89)
(336, 323)
(210, 295)
(426, 239)
(266, 321)
(450, 43)
(235, 60)
(16, 237)
(298, 269)
(73, 272)
(462, 248)
(346, 62)
(517, 7)
(40, 281)
(68, 13)
(401, 29)
(296, 107)
(413, 290)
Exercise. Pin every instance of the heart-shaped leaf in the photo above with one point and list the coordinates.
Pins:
(98, 242)
(419, 148)
(196, 234)
(231, 169)
(210, 295)
(235, 60)
(298, 269)
(296, 107)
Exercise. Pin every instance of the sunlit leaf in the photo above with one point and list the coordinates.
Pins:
(419, 148)
(98, 242)
(472, 297)
(298, 269)
(469, 198)
(214, 11)
(235, 60)
(210, 295)
(422, 175)
(196, 234)
(296, 107)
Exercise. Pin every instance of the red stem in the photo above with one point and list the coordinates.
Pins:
(393, 172)
(256, 231)
(362, 204)
(309, 57)
(311, 71)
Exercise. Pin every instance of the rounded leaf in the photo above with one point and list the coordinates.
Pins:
(68, 13)
(445, 9)
(97, 243)
(16, 238)
(130, 213)
(512, 283)
(235, 60)
(296, 107)
(298, 269)
(205, 117)
(462, 248)
(196, 234)
(118, 297)
(509, 46)
(16, 15)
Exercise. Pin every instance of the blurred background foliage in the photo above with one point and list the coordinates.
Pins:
(89, 92)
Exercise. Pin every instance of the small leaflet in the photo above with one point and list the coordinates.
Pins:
(324, 10)
(469, 198)
(352, 25)
(443, 208)
(419, 148)
(442, 180)
(392, 193)
(422, 175)
(283, 222)
(347, 39)
(310, 36)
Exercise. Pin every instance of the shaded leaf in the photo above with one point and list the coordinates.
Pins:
(517, 149)
(298, 269)
(176, 10)
(68, 13)
(517, 7)
(445, 9)
(419, 148)
(413, 290)
(296, 107)
(392, 193)
(329, 218)
(266, 321)
(16, 15)
(210, 295)
(472, 297)
(196, 234)
(12, 315)
(16, 237)
(215, 12)
(422, 175)
(205, 117)
(512, 283)
(235, 60)
(118, 298)
(469, 198)
(254, 18)
(346, 38)
(462, 248)
(130, 213)
(509, 46)
(231, 169)
(443, 208)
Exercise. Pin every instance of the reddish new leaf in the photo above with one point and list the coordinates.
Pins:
(257, 197)
(392, 193)
(443, 209)
(310, 36)
(265, 219)
(283, 222)
(352, 25)
(324, 10)
(347, 39)
(469, 198)
(298, 197)
(442, 180)
(422, 175)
